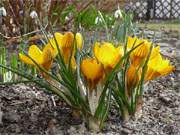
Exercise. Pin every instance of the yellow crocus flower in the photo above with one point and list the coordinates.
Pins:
(42, 58)
(157, 67)
(133, 77)
(64, 42)
(79, 41)
(92, 71)
(140, 53)
(155, 52)
(131, 42)
(52, 43)
(107, 54)
(66, 45)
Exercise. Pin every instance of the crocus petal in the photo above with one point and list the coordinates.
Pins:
(133, 77)
(73, 63)
(54, 51)
(142, 50)
(52, 44)
(79, 41)
(96, 49)
(67, 41)
(92, 70)
(158, 67)
(25, 59)
(59, 38)
(36, 54)
(67, 46)
(130, 42)
(138, 55)
(155, 52)
(151, 74)
(47, 59)
(43, 59)
(107, 54)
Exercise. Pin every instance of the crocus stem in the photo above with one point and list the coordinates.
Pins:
(139, 104)
(93, 123)
(125, 114)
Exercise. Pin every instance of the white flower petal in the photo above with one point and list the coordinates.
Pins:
(33, 14)
(3, 11)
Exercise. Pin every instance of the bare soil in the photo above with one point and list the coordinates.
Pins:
(27, 109)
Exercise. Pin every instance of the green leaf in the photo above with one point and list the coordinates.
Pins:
(87, 18)
(106, 109)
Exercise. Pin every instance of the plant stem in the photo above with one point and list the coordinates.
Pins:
(125, 114)
(93, 123)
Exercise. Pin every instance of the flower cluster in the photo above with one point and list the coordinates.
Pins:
(156, 66)
(105, 58)
(119, 71)
(44, 58)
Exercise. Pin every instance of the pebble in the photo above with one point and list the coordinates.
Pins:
(72, 130)
(163, 45)
(113, 127)
(164, 98)
(126, 131)
(12, 117)
(1, 115)
(51, 129)
(177, 44)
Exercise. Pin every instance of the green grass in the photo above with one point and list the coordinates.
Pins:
(174, 26)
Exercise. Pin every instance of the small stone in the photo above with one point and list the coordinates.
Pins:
(51, 129)
(72, 130)
(113, 126)
(12, 117)
(33, 117)
(164, 98)
(126, 131)
(82, 129)
(1, 115)
(164, 45)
